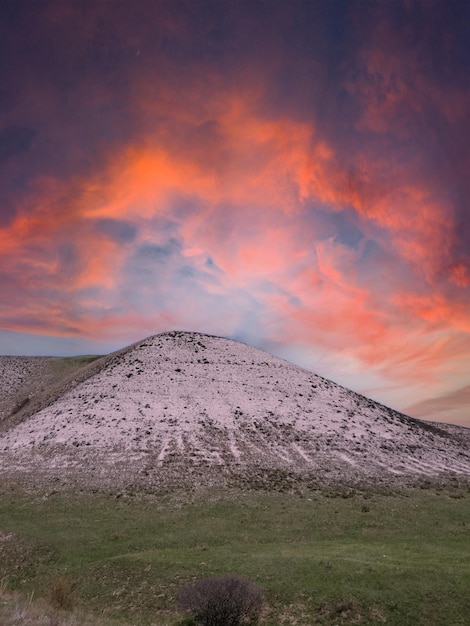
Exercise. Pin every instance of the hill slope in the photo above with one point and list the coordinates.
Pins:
(188, 408)
(27, 383)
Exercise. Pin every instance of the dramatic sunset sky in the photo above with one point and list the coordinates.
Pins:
(291, 174)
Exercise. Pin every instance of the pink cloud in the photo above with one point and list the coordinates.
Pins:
(240, 188)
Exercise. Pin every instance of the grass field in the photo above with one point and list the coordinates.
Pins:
(63, 366)
(333, 557)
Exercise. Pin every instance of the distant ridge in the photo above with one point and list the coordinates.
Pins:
(184, 408)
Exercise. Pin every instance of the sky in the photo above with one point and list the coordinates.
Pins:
(292, 174)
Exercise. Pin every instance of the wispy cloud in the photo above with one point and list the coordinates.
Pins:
(451, 407)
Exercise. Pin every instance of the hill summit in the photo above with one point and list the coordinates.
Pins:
(188, 408)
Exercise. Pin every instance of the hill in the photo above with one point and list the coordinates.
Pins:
(188, 409)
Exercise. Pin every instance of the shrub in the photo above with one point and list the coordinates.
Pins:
(60, 593)
(222, 601)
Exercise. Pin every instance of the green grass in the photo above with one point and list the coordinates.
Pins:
(63, 366)
(401, 558)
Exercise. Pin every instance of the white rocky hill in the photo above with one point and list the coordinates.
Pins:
(188, 408)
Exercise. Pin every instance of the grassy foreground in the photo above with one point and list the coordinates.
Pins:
(320, 558)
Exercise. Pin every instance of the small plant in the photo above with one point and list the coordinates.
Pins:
(60, 593)
(222, 601)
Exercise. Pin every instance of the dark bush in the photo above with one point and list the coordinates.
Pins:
(222, 601)
(60, 593)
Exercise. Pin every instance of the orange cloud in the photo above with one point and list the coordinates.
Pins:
(435, 309)
(243, 199)
(460, 274)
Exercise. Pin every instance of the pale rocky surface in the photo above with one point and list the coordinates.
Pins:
(189, 409)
